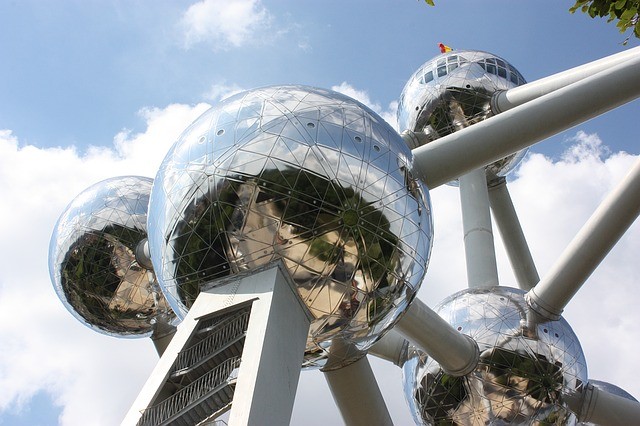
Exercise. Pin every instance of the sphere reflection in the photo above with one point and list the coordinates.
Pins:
(453, 91)
(304, 175)
(92, 262)
(521, 374)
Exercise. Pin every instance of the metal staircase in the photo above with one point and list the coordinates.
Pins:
(202, 380)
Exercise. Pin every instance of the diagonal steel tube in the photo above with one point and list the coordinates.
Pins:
(513, 238)
(476, 146)
(507, 99)
(605, 227)
(456, 353)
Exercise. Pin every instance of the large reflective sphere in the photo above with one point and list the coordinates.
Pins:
(304, 175)
(521, 375)
(92, 262)
(453, 91)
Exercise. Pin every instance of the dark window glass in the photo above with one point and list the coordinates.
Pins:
(451, 67)
(428, 77)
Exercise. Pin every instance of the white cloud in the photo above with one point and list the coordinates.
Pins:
(388, 114)
(91, 376)
(224, 23)
(221, 91)
(43, 347)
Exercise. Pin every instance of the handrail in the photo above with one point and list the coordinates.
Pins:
(160, 413)
(217, 340)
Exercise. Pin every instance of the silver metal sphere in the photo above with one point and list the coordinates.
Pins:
(521, 375)
(453, 91)
(305, 175)
(92, 260)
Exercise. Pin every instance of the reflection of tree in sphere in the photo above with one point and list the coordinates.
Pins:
(92, 259)
(521, 374)
(304, 175)
(453, 91)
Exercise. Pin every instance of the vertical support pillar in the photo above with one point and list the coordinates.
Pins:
(272, 356)
(357, 395)
(272, 352)
(482, 270)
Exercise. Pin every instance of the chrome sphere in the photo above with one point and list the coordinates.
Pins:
(453, 91)
(521, 375)
(307, 176)
(92, 259)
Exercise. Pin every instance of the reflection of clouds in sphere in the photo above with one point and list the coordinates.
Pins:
(92, 259)
(453, 91)
(520, 375)
(304, 175)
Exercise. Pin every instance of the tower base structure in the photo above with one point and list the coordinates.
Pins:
(240, 348)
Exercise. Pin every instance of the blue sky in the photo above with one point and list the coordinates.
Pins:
(94, 89)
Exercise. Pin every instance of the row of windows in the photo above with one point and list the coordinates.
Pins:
(502, 69)
(491, 65)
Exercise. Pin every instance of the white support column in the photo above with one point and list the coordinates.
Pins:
(489, 140)
(357, 395)
(480, 253)
(272, 355)
(605, 227)
(273, 350)
(596, 406)
(391, 347)
(456, 353)
(513, 238)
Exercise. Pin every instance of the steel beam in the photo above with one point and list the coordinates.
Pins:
(487, 141)
(585, 252)
(513, 238)
(456, 353)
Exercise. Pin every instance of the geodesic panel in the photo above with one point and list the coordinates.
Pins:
(304, 175)
(453, 91)
(521, 375)
(92, 259)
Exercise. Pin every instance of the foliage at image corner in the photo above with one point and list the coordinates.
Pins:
(625, 12)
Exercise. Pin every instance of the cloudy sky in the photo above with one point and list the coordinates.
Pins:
(91, 90)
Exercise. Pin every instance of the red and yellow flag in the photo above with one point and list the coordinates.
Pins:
(444, 48)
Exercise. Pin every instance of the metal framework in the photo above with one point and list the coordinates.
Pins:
(189, 385)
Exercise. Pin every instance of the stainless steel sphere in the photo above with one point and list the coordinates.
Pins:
(92, 262)
(453, 91)
(305, 175)
(521, 375)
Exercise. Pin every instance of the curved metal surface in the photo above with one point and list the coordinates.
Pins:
(92, 259)
(305, 175)
(453, 91)
(521, 375)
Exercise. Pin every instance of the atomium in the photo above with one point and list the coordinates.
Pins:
(307, 176)
(522, 373)
(453, 91)
(92, 260)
